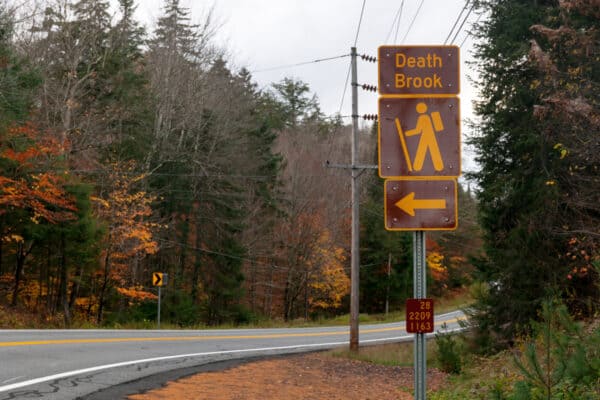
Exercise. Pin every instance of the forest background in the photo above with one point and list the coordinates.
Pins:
(124, 152)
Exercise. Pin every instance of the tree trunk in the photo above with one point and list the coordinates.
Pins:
(63, 283)
(197, 264)
(22, 253)
(18, 272)
(306, 295)
(179, 279)
(1, 258)
(75, 289)
(104, 284)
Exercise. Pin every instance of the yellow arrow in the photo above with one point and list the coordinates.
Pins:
(408, 204)
(157, 279)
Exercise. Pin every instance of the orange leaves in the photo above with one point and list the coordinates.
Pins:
(126, 211)
(581, 258)
(137, 293)
(41, 194)
(45, 199)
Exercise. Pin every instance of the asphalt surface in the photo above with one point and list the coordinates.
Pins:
(72, 364)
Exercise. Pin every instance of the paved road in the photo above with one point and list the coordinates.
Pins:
(67, 364)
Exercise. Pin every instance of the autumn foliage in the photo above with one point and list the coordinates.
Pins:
(25, 154)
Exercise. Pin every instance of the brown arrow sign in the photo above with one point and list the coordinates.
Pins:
(413, 205)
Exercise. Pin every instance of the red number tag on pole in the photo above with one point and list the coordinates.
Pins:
(419, 316)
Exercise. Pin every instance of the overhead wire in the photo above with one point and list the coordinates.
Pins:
(300, 64)
(470, 33)
(398, 24)
(362, 12)
(413, 21)
(345, 88)
(395, 22)
(456, 21)
(463, 22)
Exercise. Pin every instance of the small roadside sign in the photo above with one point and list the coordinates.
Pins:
(159, 279)
(420, 205)
(419, 316)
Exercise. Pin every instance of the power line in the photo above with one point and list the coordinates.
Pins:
(232, 256)
(398, 24)
(463, 22)
(345, 88)
(456, 21)
(300, 63)
(470, 32)
(362, 11)
(413, 20)
(395, 22)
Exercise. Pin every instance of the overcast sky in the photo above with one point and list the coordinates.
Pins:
(263, 34)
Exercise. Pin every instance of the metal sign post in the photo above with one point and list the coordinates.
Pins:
(158, 311)
(420, 292)
(159, 279)
(419, 142)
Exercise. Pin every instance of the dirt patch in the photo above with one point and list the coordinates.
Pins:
(310, 377)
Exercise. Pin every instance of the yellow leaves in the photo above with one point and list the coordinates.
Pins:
(126, 211)
(330, 286)
(435, 262)
(100, 201)
(574, 72)
(561, 150)
(13, 238)
(550, 182)
(328, 279)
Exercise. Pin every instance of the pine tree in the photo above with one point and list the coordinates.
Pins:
(519, 213)
(18, 78)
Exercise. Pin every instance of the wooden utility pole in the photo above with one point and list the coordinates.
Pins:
(387, 289)
(354, 251)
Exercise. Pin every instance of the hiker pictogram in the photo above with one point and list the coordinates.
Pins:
(427, 126)
(419, 137)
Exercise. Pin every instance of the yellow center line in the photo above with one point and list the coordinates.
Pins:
(198, 338)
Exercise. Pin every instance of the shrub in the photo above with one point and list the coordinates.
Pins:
(448, 352)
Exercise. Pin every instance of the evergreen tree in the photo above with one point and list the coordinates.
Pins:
(18, 78)
(386, 257)
(381, 282)
(295, 104)
(519, 212)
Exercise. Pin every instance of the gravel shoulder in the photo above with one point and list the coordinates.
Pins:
(305, 376)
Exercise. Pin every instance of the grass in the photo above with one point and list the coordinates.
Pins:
(21, 318)
(477, 379)
(452, 301)
(396, 354)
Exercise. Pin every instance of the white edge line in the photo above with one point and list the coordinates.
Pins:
(210, 353)
(146, 360)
